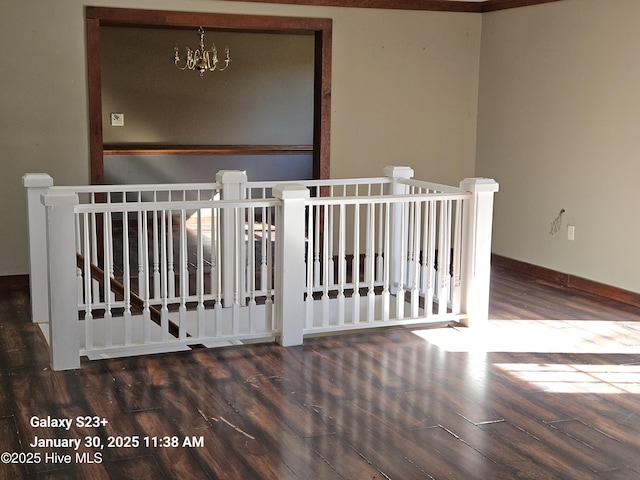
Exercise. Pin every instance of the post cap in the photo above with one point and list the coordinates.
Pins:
(59, 198)
(398, 172)
(37, 180)
(231, 176)
(479, 184)
(285, 191)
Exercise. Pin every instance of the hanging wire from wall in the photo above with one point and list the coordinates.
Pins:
(557, 223)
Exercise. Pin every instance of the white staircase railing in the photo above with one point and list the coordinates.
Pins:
(147, 268)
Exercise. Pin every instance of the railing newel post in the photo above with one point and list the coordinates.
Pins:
(476, 231)
(290, 263)
(234, 187)
(64, 338)
(36, 184)
(396, 222)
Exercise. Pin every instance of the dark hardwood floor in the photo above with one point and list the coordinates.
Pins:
(549, 390)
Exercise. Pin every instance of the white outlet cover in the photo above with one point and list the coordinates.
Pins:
(117, 119)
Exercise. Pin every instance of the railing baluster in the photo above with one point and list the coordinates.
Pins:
(326, 233)
(457, 244)
(415, 280)
(331, 265)
(266, 231)
(410, 245)
(442, 274)
(238, 230)
(141, 243)
(450, 236)
(342, 262)
(431, 258)
(156, 252)
(79, 249)
(213, 253)
(164, 310)
(316, 249)
(368, 261)
(381, 227)
(355, 267)
(110, 246)
(126, 279)
(94, 248)
(199, 277)
(108, 267)
(402, 261)
(386, 293)
(270, 262)
(144, 252)
(310, 266)
(371, 296)
(218, 282)
(251, 274)
(184, 270)
(88, 286)
(448, 245)
(171, 276)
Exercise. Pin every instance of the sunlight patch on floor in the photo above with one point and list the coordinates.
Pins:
(540, 336)
(572, 378)
(556, 337)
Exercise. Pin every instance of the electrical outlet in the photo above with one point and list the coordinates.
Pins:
(571, 232)
(117, 119)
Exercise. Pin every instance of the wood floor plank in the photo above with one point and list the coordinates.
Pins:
(345, 462)
(203, 409)
(176, 462)
(131, 385)
(284, 391)
(395, 457)
(533, 457)
(276, 436)
(135, 468)
(10, 442)
(504, 450)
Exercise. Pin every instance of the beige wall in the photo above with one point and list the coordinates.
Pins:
(404, 92)
(559, 118)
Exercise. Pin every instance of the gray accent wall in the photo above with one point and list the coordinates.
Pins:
(136, 169)
(265, 97)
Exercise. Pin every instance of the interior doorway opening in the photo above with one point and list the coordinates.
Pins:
(318, 29)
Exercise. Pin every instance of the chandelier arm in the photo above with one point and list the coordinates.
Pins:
(226, 64)
(181, 68)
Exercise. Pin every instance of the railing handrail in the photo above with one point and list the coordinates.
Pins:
(144, 187)
(383, 199)
(323, 182)
(440, 188)
(166, 187)
(171, 205)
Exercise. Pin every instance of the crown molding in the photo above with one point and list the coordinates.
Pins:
(495, 5)
(429, 5)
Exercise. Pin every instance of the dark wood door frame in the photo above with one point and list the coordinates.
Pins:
(321, 28)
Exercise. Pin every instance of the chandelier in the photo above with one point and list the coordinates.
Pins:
(201, 59)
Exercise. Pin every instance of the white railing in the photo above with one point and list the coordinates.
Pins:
(148, 268)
